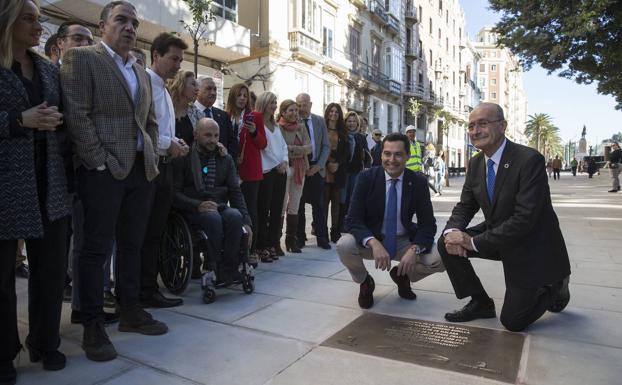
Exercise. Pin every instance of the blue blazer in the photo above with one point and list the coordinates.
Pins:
(366, 213)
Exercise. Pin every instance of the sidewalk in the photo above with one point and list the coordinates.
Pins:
(273, 335)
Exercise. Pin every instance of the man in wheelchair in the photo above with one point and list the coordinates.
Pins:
(206, 182)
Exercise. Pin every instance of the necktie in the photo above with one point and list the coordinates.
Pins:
(390, 221)
(208, 113)
(490, 179)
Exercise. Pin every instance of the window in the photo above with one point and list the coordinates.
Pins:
(431, 26)
(493, 67)
(482, 68)
(309, 15)
(375, 53)
(482, 82)
(327, 34)
(420, 13)
(393, 63)
(493, 82)
(440, 5)
(431, 59)
(355, 47)
(447, 44)
(301, 81)
(376, 114)
(329, 93)
(493, 95)
(227, 9)
(389, 118)
(420, 49)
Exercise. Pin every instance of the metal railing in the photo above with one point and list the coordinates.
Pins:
(411, 13)
(379, 10)
(299, 40)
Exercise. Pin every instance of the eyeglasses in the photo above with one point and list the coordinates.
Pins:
(79, 38)
(483, 123)
(377, 134)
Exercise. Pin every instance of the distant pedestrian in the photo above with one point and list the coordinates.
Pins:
(376, 151)
(592, 167)
(557, 166)
(573, 166)
(549, 167)
(439, 172)
(615, 157)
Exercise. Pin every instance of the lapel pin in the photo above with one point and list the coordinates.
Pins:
(205, 169)
(507, 165)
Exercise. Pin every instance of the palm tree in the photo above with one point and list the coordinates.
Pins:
(536, 127)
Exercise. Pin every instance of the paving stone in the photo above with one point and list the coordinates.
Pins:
(149, 376)
(301, 266)
(311, 322)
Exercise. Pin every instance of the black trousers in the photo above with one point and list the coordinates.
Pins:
(574, 171)
(270, 208)
(556, 173)
(162, 201)
(47, 260)
(224, 236)
(250, 190)
(521, 306)
(112, 205)
(313, 193)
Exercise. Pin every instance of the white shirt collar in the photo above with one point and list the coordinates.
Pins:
(130, 59)
(388, 177)
(200, 106)
(157, 80)
(496, 157)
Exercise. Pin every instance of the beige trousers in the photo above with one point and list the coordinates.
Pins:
(352, 254)
(293, 193)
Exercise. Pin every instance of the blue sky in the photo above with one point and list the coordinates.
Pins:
(571, 105)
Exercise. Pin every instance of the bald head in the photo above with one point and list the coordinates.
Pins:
(304, 105)
(207, 133)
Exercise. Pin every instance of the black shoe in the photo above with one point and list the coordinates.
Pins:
(157, 300)
(109, 318)
(473, 310)
(334, 235)
(403, 284)
(52, 360)
(278, 251)
(615, 190)
(96, 344)
(110, 301)
(8, 374)
(323, 243)
(292, 245)
(366, 293)
(22, 271)
(273, 253)
(560, 296)
(136, 320)
(67, 292)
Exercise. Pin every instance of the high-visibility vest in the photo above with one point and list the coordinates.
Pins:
(414, 162)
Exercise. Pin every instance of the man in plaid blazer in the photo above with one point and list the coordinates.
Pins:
(111, 122)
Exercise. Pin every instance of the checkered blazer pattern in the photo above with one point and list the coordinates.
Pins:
(20, 214)
(101, 116)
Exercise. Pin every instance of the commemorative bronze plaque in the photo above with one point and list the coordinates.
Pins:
(489, 353)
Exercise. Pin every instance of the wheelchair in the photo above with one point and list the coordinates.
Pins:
(180, 247)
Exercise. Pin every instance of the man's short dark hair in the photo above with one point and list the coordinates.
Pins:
(63, 29)
(110, 6)
(163, 42)
(51, 42)
(397, 137)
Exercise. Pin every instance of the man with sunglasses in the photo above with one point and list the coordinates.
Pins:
(508, 182)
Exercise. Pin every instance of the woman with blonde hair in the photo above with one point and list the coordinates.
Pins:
(183, 89)
(298, 146)
(274, 160)
(252, 139)
(34, 201)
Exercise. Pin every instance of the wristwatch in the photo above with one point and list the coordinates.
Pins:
(418, 249)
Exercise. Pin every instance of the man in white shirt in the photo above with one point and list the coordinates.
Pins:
(167, 53)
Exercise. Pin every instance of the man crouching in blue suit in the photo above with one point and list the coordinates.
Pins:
(380, 224)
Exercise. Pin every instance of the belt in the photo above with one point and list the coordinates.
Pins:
(164, 159)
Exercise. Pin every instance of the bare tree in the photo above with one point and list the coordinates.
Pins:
(201, 11)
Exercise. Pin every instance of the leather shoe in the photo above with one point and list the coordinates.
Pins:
(8, 374)
(323, 243)
(560, 296)
(403, 284)
(366, 293)
(157, 300)
(136, 320)
(22, 271)
(473, 310)
(109, 318)
(110, 301)
(96, 344)
(52, 360)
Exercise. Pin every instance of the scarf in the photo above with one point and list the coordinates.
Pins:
(298, 164)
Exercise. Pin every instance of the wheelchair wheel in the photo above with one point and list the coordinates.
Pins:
(209, 296)
(175, 259)
(247, 284)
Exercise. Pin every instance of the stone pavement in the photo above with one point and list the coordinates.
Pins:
(273, 335)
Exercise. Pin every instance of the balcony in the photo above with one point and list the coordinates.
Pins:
(378, 12)
(395, 87)
(393, 25)
(414, 89)
(411, 15)
(411, 53)
(359, 3)
(305, 47)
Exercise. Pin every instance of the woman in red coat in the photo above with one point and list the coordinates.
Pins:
(252, 137)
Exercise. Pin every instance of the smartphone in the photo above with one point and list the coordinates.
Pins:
(249, 119)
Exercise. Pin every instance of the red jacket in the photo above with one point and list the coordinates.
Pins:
(250, 149)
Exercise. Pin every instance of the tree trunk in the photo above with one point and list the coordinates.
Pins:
(196, 57)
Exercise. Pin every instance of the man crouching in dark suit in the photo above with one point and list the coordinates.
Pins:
(380, 224)
(520, 229)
